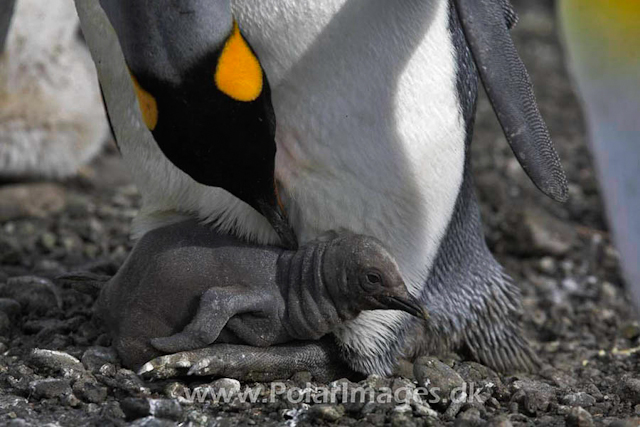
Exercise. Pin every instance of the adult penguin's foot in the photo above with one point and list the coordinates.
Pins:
(246, 363)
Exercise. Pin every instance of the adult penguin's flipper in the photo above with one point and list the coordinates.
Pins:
(486, 26)
(6, 12)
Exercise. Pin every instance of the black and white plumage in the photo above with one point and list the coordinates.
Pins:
(375, 102)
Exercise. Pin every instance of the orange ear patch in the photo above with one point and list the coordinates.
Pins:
(238, 73)
(148, 104)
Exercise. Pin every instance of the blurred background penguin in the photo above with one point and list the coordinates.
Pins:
(602, 42)
(52, 119)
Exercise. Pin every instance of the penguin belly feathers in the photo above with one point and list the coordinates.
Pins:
(51, 116)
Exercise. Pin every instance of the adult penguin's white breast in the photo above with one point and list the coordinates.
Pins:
(369, 131)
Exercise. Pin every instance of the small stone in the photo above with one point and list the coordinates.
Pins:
(165, 408)
(35, 294)
(56, 361)
(89, 390)
(630, 390)
(49, 388)
(454, 407)
(500, 421)
(405, 408)
(581, 399)
(108, 370)
(326, 412)
(112, 410)
(424, 410)
(31, 200)
(95, 358)
(228, 386)
(470, 417)
(533, 396)
(433, 374)
(579, 417)
(375, 382)
(48, 241)
(544, 233)
(368, 408)
(401, 420)
(134, 408)
(548, 265)
(71, 400)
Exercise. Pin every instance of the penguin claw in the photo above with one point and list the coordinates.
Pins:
(202, 362)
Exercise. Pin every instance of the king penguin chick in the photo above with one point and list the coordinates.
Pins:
(375, 103)
(259, 296)
(51, 116)
(602, 41)
(205, 144)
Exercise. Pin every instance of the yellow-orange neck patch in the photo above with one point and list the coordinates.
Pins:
(148, 104)
(238, 73)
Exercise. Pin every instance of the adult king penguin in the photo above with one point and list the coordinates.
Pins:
(375, 103)
(602, 39)
(51, 116)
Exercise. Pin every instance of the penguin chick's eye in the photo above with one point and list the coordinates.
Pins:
(373, 278)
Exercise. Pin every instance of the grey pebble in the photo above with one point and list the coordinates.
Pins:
(89, 390)
(430, 372)
(500, 421)
(95, 358)
(326, 412)
(56, 361)
(579, 417)
(135, 408)
(581, 399)
(49, 388)
(533, 396)
(630, 390)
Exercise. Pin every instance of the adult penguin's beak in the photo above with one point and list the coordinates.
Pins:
(275, 214)
(204, 97)
(6, 13)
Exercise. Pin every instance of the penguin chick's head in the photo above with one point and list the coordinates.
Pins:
(368, 277)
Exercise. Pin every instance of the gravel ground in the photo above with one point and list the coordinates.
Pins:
(56, 367)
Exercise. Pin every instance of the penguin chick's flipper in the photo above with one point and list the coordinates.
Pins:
(217, 307)
(247, 363)
(506, 81)
(204, 96)
(6, 13)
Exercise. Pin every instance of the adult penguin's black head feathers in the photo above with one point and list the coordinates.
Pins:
(204, 96)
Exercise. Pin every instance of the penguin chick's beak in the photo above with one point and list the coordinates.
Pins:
(410, 305)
